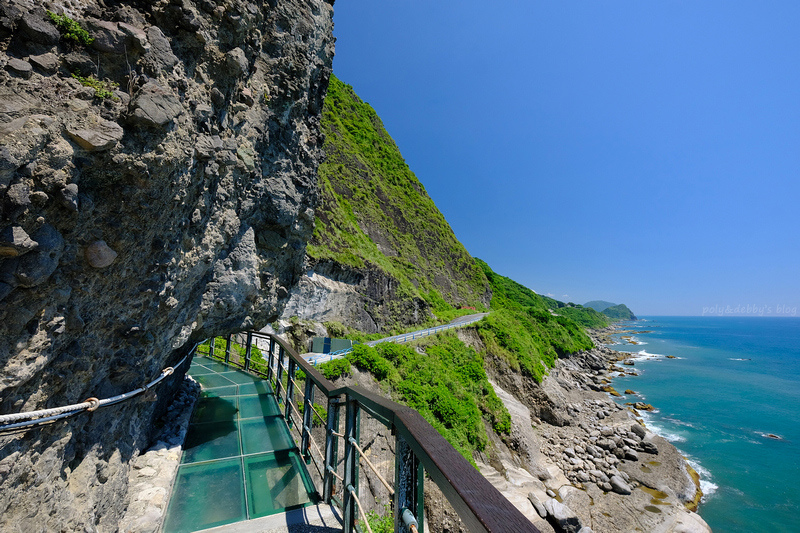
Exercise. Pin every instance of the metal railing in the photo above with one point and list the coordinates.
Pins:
(419, 448)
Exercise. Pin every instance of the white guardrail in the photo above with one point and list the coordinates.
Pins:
(317, 359)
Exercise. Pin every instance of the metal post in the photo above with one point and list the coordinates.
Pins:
(308, 419)
(409, 479)
(331, 448)
(290, 391)
(271, 359)
(279, 383)
(248, 351)
(228, 350)
(211, 347)
(350, 464)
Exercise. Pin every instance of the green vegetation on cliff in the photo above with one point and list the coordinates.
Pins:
(613, 311)
(375, 213)
(446, 384)
(524, 331)
(619, 312)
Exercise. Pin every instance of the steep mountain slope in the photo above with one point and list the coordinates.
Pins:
(501, 391)
(376, 226)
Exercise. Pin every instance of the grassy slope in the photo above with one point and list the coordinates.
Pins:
(375, 212)
(522, 330)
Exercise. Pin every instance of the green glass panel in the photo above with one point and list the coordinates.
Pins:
(258, 387)
(206, 495)
(215, 440)
(211, 364)
(216, 366)
(211, 381)
(265, 435)
(274, 482)
(197, 369)
(258, 406)
(240, 377)
(216, 409)
(231, 390)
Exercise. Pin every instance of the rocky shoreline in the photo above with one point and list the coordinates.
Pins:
(579, 462)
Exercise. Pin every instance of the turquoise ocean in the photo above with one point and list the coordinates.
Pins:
(732, 386)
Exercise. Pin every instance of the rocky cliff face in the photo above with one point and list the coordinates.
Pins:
(157, 186)
(367, 299)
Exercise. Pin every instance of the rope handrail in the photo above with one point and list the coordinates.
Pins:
(335, 474)
(360, 509)
(315, 411)
(41, 416)
(372, 466)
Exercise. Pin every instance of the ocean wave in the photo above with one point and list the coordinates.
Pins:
(644, 355)
(708, 488)
(738, 359)
(706, 485)
(660, 430)
(679, 422)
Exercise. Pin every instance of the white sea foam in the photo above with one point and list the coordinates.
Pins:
(708, 488)
(706, 485)
(644, 355)
(679, 422)
(659, 430)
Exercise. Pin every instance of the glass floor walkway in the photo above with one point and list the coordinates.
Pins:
(239, 461)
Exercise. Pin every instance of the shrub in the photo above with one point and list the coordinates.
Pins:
(335, 369)
(70, 29)
(369, 359)
(336, 329)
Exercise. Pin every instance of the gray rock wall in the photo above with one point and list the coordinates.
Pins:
(365, 299)
(162, 194)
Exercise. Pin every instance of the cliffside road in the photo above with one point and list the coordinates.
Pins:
(460, 322)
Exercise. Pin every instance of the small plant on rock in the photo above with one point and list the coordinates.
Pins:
(70, 29)
(102, 88)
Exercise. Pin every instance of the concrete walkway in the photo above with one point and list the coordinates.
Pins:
(312, 519)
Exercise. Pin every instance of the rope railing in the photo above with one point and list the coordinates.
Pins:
(15, 421)
(372, 466)
(335, 474)
(360, 508)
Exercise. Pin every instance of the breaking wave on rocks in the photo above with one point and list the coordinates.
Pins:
(706, 485)
(659, 429)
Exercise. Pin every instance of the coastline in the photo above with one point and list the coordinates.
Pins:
(580, 460)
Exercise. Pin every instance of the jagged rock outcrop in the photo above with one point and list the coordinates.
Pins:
(366, 299)
(157, 186)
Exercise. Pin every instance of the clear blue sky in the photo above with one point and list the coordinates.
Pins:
(638, 152)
